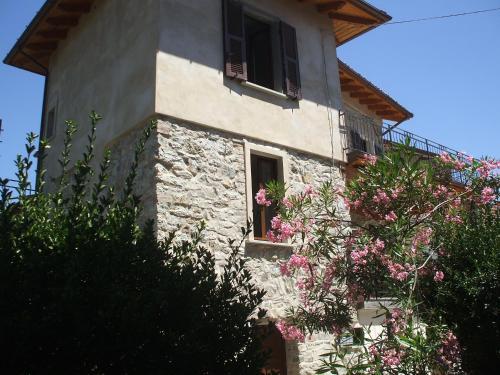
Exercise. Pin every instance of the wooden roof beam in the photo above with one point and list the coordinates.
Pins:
(386, 113)
(75, 7)
(361, 94)
(53, 33)
(370, 101)
(344, 81)
(351, 87)
(379, 106)
(62, 21)
(42, 46)
(331, 6)
(351, 19)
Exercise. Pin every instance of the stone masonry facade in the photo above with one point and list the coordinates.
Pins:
(191, 173)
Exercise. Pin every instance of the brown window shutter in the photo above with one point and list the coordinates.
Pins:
(290, 56)
(234, 40)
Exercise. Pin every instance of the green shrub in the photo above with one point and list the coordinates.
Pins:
(85, 289)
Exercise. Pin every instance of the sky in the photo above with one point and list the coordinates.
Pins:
(446, 72)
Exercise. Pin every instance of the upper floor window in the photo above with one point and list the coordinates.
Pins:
(261, 49)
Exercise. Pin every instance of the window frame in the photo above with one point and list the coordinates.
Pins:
(284, 41)
(283, 174)
(52, 108)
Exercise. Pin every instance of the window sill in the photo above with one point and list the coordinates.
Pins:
(264, 89)
(267, 249)
(375, 303)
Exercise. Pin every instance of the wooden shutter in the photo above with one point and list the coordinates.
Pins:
(234, 40)
(290, 56)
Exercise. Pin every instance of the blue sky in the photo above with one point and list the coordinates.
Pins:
(446, 72)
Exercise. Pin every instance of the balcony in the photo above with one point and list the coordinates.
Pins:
(365, 135)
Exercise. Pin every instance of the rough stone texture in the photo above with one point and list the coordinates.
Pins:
(122, 156)
(191, 173)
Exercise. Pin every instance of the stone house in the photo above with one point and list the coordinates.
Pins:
(245, 92)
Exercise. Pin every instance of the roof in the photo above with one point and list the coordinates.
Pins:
(350, 18)
(359, 88)
(50, 25)
(32, 51)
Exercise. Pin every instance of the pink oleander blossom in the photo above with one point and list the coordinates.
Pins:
(261, 198)
(287, 231)
(397, 271)
(309, 190)
(284, 270)
(391, 217)
(287, 203)
(438, 276)
(445, 157)
(487, 195)
(449, 352)
(441, 191)
(298, 261)
(290, 332)
(456, 219)
(381, 197)
(370, 159)
(391, 357)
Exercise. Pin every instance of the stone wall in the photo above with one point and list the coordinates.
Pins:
(191, 173)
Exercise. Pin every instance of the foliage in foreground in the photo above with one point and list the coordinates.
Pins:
(432, 248)
(85, 289)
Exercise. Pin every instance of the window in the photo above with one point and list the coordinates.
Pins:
(263, 170)
(50, 124)
(260, 49)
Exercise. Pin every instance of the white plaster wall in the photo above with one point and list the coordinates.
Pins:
(191, 84)
(106, 64)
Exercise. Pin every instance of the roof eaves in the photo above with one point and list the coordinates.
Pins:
(346, 67)
(46, 7)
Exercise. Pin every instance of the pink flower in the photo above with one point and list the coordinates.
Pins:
(309, 190)
(271, 236)
(391, 357)
(391, 217)
(284, 270)
(298, 261)
(381, 197)
(358, 257)
(449, 352)
(287, 203)
(287, 231)
(290, 332)
(441, 191)
(395, 192)
(487, 195)
(379, 245)
(454, 219)
(439, 276)
(370, 159)
(397, 271)
(261, 199)
(445, 157)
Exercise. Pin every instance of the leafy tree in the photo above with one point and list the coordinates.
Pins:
(431, 246)
(85, 289)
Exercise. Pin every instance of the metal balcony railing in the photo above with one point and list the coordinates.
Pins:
(365, 135)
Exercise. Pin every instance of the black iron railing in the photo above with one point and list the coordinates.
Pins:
(365, 135)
